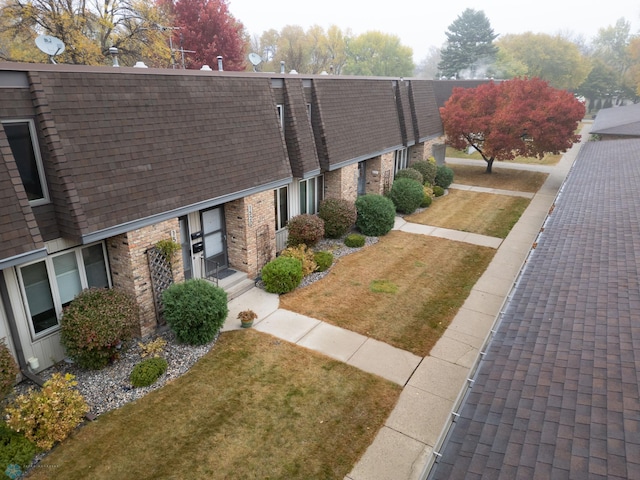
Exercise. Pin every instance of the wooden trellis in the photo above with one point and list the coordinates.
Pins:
(161, 279)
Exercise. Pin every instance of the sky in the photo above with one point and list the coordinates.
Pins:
(422, 24)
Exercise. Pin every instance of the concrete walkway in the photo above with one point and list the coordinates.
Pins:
(432, 386)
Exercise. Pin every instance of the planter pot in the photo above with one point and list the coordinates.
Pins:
(246, 324)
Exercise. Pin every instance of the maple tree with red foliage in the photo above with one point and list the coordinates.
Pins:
(518, 117)
(208, 29)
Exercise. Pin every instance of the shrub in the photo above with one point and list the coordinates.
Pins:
(304, 255)
(307, 229)
(406, 194)
(153, 348)
(354, 240)
(323, 260)
(376, 215)
(427, 199)
(444, 176)
(8, 370)
(49, 415)
(282, 274)
(427, 169)
(15, 449)
(148, 371)
(438, 191)
(96, 324)
(195, 310)
(411, 173)
(339, 216)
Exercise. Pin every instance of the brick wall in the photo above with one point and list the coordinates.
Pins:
(342, 183)
(251, 232)
(386, 171)
(130, 268)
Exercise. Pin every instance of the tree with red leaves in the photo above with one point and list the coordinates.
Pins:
(207, 29)
(519, 117)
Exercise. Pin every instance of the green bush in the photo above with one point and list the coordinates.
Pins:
(195, 310)
(427, 199)
(323, 260)
(406, 194)
(282, 275)
(438, 191)
(339, 216)
(8, 370)
(376, 215)
(15, 449)
(427, 169)
(305, 255)
(444, 176)
(96, 324)
(411, 173)
(354, 240)
(307, 229)
(48, 415)
(148, 371)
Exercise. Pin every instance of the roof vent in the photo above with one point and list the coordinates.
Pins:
(140, 65)
(281, 66)
(113, 51)
(220, 69)
(206, 68)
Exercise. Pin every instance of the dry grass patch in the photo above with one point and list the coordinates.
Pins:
(549, 159)
(483, 213)
(502, 178)
(254, 407)
(404, 290)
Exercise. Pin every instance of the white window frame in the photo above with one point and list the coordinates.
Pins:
(401, 160)
(281, 223)
(39, 166)
(53, 284)
(280, 111)
(312, 204)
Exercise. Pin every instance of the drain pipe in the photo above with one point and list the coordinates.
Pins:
(13, 331)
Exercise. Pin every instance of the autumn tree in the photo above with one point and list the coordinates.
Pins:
(519, 117)
(551, 58)
(88, 30)
(378, 54)
(469, 47)
(206, 30)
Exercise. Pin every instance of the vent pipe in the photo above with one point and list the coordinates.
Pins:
(113, 51)
(281, 66)
(220, 69)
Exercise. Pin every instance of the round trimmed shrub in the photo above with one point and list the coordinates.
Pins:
(426, 201)
(376, 215)
(8, 370)
(148, 371)
(16, 450)
(96, 324)
(305, 255)
(195, 310)
(282, 274)
(339, 216)
(444, 176)
(411, 173)
(438, 191)
(323, 260)
(354, 240)
(427, 169)
(406, 194)
(305, 228)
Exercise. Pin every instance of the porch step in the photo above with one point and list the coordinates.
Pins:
(236, 284)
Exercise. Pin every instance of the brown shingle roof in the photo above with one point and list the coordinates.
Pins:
(298, 131)
(426, 122)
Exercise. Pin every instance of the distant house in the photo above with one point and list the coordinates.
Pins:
(617, 122)
(97, 164)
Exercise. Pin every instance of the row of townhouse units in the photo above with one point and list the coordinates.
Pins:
(98, 164)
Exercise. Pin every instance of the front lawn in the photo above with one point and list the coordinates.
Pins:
(548, 159)
(502, 178)
(404, 290)
(253, 407)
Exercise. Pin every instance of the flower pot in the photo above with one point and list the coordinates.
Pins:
(246, 324)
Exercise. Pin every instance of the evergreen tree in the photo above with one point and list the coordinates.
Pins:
(469, 45)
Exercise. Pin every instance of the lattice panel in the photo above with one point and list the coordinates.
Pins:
(161, 278)
(264, 250)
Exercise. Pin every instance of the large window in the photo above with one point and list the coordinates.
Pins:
(311, 194)
(50, 284)
(282, 207)
(401, 160)
(24, 147)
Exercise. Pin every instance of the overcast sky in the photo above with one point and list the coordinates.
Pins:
(422, 24)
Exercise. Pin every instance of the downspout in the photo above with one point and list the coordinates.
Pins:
(13, 331)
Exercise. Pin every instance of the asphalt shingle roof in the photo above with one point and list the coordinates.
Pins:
(557, 393)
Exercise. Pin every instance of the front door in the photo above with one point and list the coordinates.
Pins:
(214, 240)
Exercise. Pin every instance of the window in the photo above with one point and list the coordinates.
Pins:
(50, 284)
(24, 147)
(280, 110)
(282, 207)
(311, 194)
(401, 160)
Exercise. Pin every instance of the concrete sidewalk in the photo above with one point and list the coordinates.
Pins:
(432, 386)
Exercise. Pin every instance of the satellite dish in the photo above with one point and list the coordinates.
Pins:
(52, 46)
(255, 60)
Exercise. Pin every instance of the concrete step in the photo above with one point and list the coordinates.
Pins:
(236, 284)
